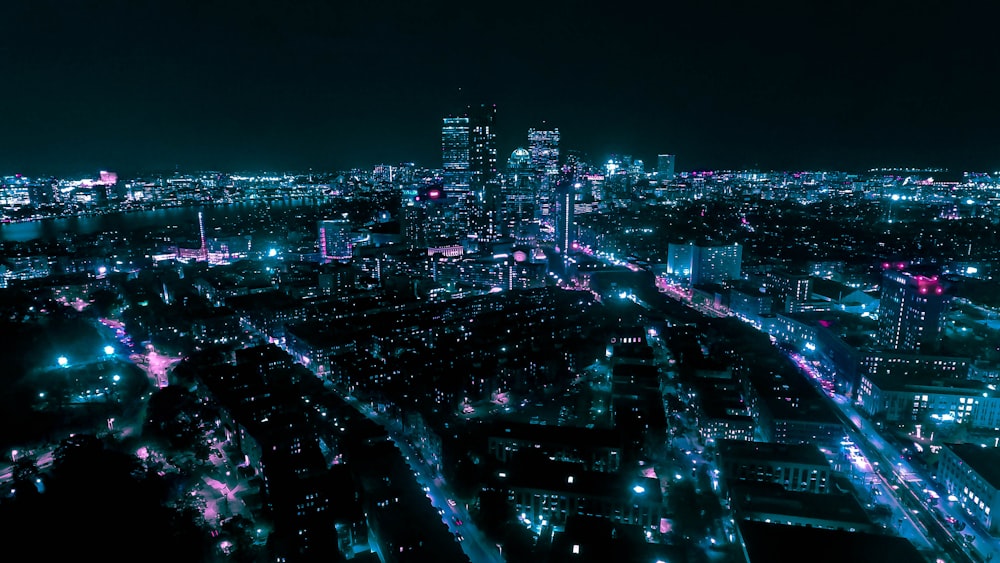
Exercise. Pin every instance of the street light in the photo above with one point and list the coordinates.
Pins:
(63, 361)
(109, 350)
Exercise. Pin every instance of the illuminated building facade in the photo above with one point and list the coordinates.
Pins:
(543, 145)
(335, 241)
(565, 226)
(911, 311)
(665, 167)
(796, 467)
(704, 264)
(969, 472)
(482, 145)
(455, 152)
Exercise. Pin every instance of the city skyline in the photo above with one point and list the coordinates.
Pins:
(723, 86)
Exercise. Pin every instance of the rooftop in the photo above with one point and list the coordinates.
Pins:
(984, 461)
(772, 543)
(748, 498)
(788, 453)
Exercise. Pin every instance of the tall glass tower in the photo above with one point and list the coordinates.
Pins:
(482, 144)
(543, 145)
(455, 152)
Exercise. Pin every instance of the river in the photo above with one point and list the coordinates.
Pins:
(145, 221)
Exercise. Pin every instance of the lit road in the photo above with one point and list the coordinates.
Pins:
(889, 476)
(476, 546)
(42, 459)
(898, 482)
(917, 485)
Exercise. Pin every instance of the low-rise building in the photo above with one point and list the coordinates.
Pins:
(971, 473)
(795, 467)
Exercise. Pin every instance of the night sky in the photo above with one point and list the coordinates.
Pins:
(133, 85)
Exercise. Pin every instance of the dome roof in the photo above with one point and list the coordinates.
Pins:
(520, 159)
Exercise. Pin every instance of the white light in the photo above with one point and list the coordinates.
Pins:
(63, 361)
(272, 253)
(639, 489)
(109, 350)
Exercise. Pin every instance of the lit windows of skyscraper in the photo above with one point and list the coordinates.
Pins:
(455, 151)
(335, 242)
(519, 196)
(911, 311)
(543, 144)
(665, 167)
(519, 161)
(482, 144)
(565, 220)
(705, 264)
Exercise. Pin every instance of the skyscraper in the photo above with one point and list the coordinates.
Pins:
(482, 144)
(565, 220)
(455, 152)
(335, 241)
(911, 312)
(519, 195)
(543, 145)
(665, 167)
(201, 236)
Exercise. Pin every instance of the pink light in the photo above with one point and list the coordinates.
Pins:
(434, 193)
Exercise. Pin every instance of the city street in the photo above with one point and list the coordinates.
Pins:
(474, 544)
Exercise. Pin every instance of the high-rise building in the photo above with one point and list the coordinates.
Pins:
(911, 312)
(705, 264)
(455, 152)
(665, 167)
(482, 144)
(543, 144)
(716, 264)
(565, 225)
(519, 196)
(335, 242)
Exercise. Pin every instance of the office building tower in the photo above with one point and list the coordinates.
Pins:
(201, 236)
(704, 264)
(519, 161)
(519, 196)
(679, 260)
(716, 264)
(543, 144)
(665, 167)
(565, 224)
(335, 242)
(911, 312)
(482, 144)
(455, 152)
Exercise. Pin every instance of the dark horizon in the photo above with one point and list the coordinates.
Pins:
(229, 86)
